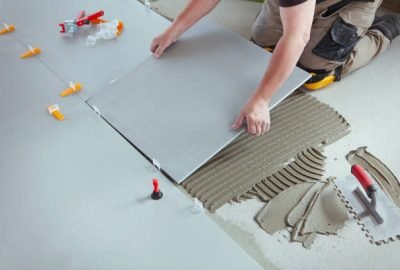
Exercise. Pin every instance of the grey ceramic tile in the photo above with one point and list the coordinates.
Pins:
(69, 57)
(75, 195)
(27, 89)
(179, 109)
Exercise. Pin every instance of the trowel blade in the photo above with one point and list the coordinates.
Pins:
(380, 233)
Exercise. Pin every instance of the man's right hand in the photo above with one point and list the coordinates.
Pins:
(162, 42)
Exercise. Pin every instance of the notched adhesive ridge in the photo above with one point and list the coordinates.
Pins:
(241, 170)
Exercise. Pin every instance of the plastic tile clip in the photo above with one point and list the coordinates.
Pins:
(73, 88)
(156, 194)
(7, 29)
(54, 110)
(96, 110)
(147, 3)
(31, 52)
(156, 164)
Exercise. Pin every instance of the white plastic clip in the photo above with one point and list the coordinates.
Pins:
(147, 3)
(156, 164)
(6, 26)
(53, 108)
(72, 85)
(96, 110)
(31, 49)
(197, 206)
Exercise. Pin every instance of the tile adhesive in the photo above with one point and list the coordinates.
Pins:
(284, 169)
(254, 165)
(308, 166)
(308, 209)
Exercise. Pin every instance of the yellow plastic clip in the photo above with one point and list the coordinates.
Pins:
(7, 29)
(32, 51)
(54, 110)
(73, 88)
(120, 28)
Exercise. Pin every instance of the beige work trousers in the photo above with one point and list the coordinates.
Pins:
(267, 30)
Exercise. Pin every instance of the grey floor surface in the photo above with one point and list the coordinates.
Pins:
(75, 194)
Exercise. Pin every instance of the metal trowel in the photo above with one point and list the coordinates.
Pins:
(371, 205)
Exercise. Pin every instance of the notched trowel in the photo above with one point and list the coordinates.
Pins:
(371, 205)
(369, 187)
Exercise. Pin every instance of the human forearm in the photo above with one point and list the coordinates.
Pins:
(283, 60)
(194, 11)
(296, 23)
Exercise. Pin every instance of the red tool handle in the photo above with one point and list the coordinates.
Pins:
(95, 15)
(362, 176)
(89, 18)
(156, 188)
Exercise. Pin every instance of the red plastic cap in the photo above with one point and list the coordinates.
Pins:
(361, 175)
(156, 187)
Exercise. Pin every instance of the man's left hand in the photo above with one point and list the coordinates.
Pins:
(256, 115)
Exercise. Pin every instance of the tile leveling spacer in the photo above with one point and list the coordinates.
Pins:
(157, 194)
(71, 26)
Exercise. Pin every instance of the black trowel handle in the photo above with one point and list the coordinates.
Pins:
(362, 177)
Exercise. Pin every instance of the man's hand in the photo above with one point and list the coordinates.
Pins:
(161, 43)
(256, 114)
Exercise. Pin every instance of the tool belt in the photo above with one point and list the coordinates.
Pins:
(338, 42)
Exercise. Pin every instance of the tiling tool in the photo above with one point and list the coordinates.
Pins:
(375, 211)
(71, 26)
(157, 194)
(369, 187)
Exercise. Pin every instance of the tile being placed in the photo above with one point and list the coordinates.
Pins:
(68, 56)
(179, 109)
(76, 195)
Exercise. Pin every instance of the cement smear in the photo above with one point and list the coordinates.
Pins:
(298, 123)
(378, 170)
(308, 166)
(308, 209)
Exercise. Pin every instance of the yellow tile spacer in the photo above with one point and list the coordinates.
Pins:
(54, 110)
(73, 88)
(7, 29)
(120, 28)
(32, 51)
